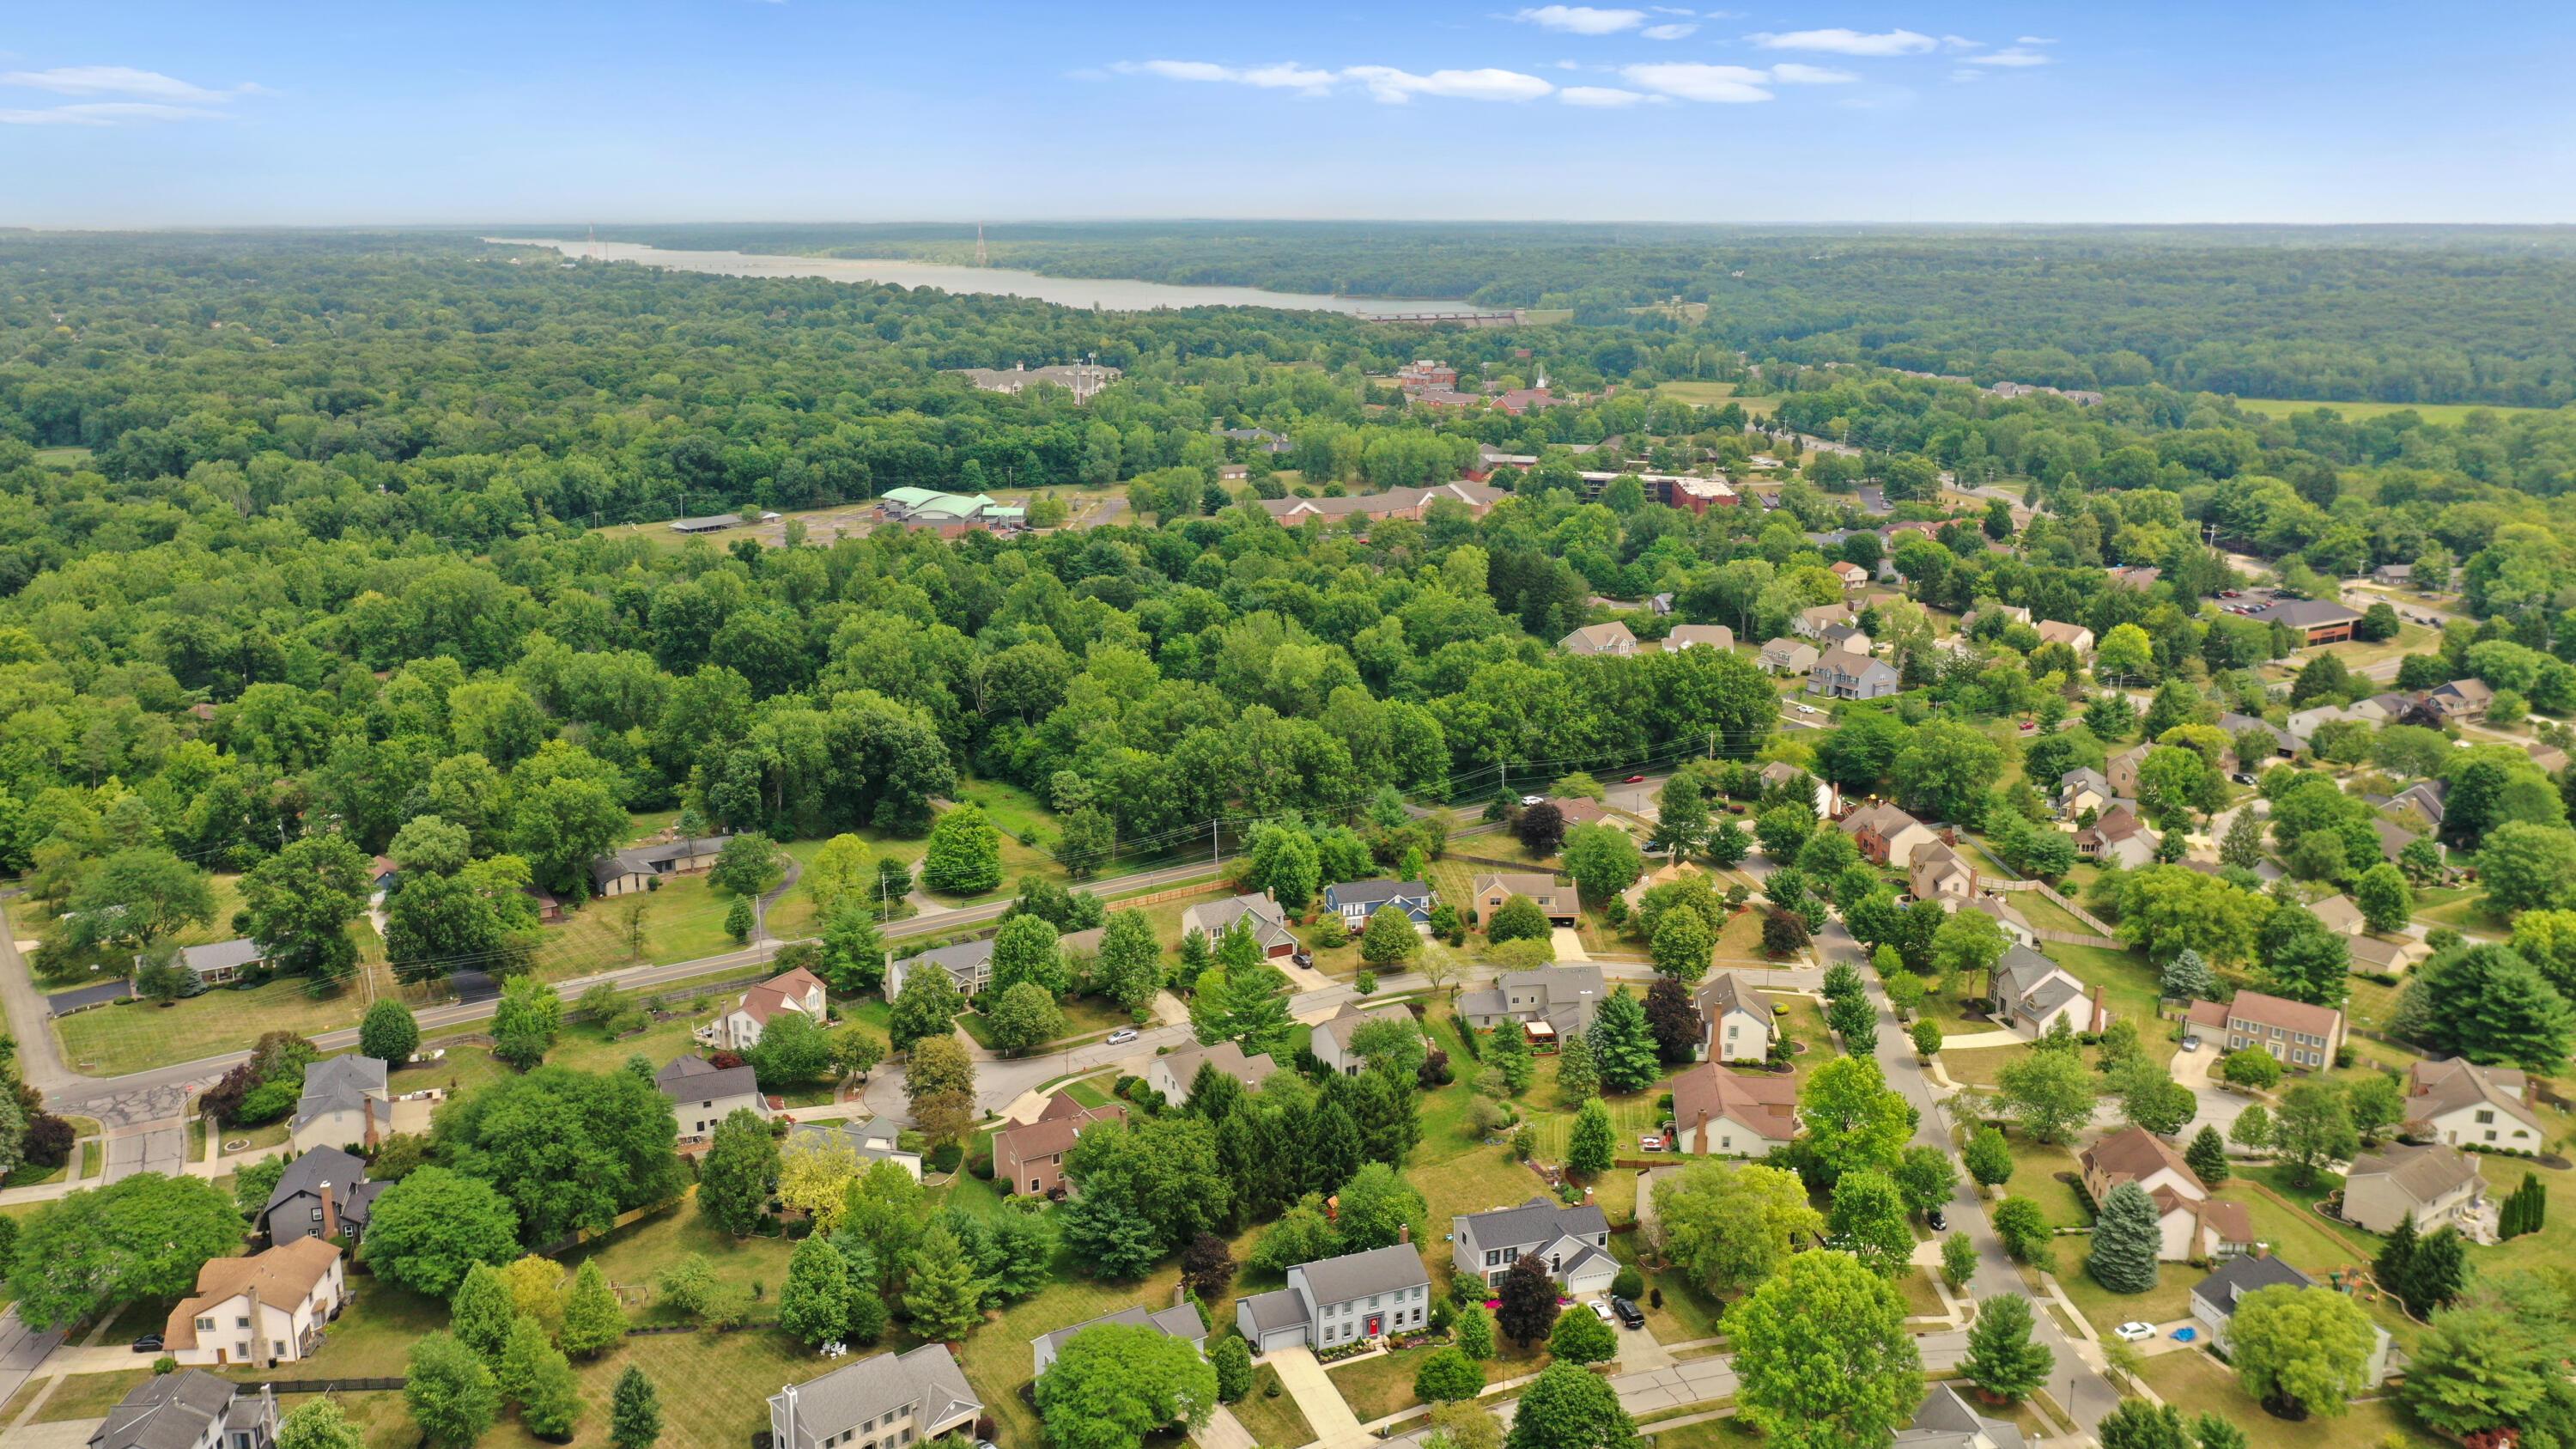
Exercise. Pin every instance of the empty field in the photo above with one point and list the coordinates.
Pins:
(2449, 415)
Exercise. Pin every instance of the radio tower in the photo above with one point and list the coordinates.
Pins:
(980, 259)
(596, 254)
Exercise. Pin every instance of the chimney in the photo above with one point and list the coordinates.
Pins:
(1404, 1232)
(787, 1416)
(330, 1212)
(1703, 1131)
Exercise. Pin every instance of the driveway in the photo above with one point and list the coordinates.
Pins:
(1569, 945)
(160, 1148)
(1335, 1426)
(2218, 1107)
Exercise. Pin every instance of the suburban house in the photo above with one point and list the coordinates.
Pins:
(2339, 915)
(1562, 903)
(1028, 1157)
(2118, 837)
(1812, 623)
(2139, 579)
(871, 1139)
(1412, 503)
(968, 963)
(2073, 636)
(1781, 775)
(2316, 621)
(1269, 924)
(265, 1309)
(220, 964)
(2428, 798)
(2294, 1032)
(1847, 638)
(2304, 723)
(1180, 1321)
(345, 1103)
(2549, 758)
(2083, 788)
(2393, 837)
(1552, 1002)
(2214, 1300)
(1175, 1072)
(1938, 873)
(885, 1401)
(703, 1094)
(1722, 1113)
(1350, 1299)
(2231, 725)
(1845, 675)
(645, 867)
(1357, 900)
(2195, 1226)
(2393, 574)
(2438, 1183)
(2382, 709)
(2007, 917)
(1694, 636)
(1332, 1039)
(1670, 872)
(1739, 1019)
(190, 1409)
(1788, 656)
(1611, 638)
(323, 1193)
(799, 991)
(1886, 835)
(1572, 1243)
(1946, 1422)
(2032, 994)
(2387, 955)
(2460, 700)
(2122, 771)
(1854, 577)
(2456, 1101)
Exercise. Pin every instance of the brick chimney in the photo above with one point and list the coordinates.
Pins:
(1703, 1132)
(1404, 1232)
(330, 1213)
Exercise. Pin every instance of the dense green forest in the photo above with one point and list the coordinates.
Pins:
(333, 559)
(2393, 314)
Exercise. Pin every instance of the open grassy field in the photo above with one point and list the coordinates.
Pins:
(2449, 415)
(71, 457)
(1715, 394)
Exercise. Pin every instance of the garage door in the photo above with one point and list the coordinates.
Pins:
(1283, 1338)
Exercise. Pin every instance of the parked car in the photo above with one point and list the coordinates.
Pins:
(1809, 709)
(148, 1343)
(1533, 799)
(2191, 1043)
(2135, 1332)
(1602, 1311)
(1304, 958)
(1629, 1313)
(1634, 780)
(1939, 1220)
(1122, 1036)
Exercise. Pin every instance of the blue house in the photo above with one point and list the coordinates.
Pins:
(1357, 900)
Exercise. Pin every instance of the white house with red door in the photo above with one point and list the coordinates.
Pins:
(1333, 1301)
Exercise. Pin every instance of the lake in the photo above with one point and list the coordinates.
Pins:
(1107, 294)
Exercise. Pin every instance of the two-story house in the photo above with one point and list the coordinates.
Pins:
(2073, 636)
(1550, 1002)
(2214, 1301)
(1350, 1299)
(1357, 900)
(2297, 1034)
(870, 1139)
(885, 1401)
(2192, 1225)
(346, 1103)
(190, 1409)
(2456, 1101)
(1788, 656)
(969, 965)
(1886, 835)
(1562, 904)
(1740, 1020)
(1939, 873)
(1180, 1321)
(1841, 674)
(323, 1193)
(1612, 639)
(1571, 1243)
(265, 1309)
(2122, 770)
(703, 1094)
(1719, 1112)
(1176, 1072)
(1268, 923)
(2083, 788)
(1332, 1038)
(2438, 1183)
(1028, 1157)
(2031, 994)
(799, 990)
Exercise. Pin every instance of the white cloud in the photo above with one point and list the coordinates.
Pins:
(1609, 97)
(1690, 81)
(1285, 75)
(1967, 75)
(1582, 19)
(1394, 87)
(2034, 40)
(112, 80)
(1847, 42)
(2013, 57)
(107, 113)
(1961, 42)
(1667, 32)
(1668, 10)
(1791, 73)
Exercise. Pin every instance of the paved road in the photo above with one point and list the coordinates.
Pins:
(154, 1147)
(63, 1003)
(21, 1350)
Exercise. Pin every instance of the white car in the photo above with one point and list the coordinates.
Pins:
(2135, 1332)
(1601, 1310)
(1809, 709)
(1122, 1036)
(1533, 799)
(2191, 1043)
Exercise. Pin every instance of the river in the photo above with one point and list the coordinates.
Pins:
(1107, 294)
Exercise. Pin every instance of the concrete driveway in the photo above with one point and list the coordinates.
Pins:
(162, 1148)
(1332, 1421)
(2218, 1107)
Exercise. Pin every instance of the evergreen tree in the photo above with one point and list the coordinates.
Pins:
(1577, 1076)
(2126, 1238)
(480, 1312)
(814, 1304)
(1623, 1044)
(1474, 1332)
(450, 1392)
(943, 1300)
(2441, 1268)
(593, 1320)
(634, 1411)
(1233, 1364)
(522, 1360)
(2242, 846)
(2002, 1357)
(1507, 1049)
(2187, 977)
(1592, 1143)
(2207, 1155)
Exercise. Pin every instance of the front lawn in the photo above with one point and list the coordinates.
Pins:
(1269, 1413)
(2035, 1176)
(1381, 1385)
(2195, 1383)
(2105, 1310)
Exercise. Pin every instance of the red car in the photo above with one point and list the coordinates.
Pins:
(1634, 780)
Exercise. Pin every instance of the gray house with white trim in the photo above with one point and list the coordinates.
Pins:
(1573, 1243)
(1332, 1301)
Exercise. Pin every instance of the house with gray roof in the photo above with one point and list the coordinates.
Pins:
(885, 1401)
(703, 1094)
(1175, 1072)
(1789, 656)
(1839, 673)
(323, 1193)
(190, 1409)
(221, 963)
(1740, 1020)
(346, 1103)
(872, 1139)
(1333, 1037)
(1572, 1243)
(968, 963)
(1332, 1301)
(2457, 1101)
(1180, 1321)
(645, 867)
(2031, 994)
(1357, 900)
(2214, 1300)
(1269, 924)
(1945, 1421)
(1551, 1002)
(2438, 1183)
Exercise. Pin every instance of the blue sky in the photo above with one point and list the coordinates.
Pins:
(115, 113)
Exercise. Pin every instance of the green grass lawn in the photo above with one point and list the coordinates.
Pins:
(132, 1036)
(2035, 1169)
(88, 1396)
(2449, 415)
(2168, 1300)
(1269, 1413)
(2195, 1383)
(1378, 1386)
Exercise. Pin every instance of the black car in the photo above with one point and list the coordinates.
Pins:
(1939, 1220)
(148, 1343)
(1628, 1312)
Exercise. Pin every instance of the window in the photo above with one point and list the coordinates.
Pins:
(242, 1322)
(2486, 1116)
(205, 1325)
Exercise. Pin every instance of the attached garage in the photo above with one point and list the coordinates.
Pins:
(1276, 1319)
